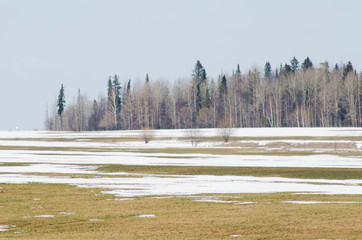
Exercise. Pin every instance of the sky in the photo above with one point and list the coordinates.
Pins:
(80, 43)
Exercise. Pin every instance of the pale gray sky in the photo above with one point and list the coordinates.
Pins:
(80, 43)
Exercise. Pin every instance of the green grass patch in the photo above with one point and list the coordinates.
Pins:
(307, 173)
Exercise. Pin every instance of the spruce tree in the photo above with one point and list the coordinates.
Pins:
(348, 68)
(118, 99)
(199, 73)
(198, 99)
(61, 101)
(294, 64)
(307, 64)
(147, 78)
(238, 70)
(267, 70)
(207, 100)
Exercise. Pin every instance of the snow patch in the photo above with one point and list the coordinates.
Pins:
(320, 202)
(44, 216)
(146, 216)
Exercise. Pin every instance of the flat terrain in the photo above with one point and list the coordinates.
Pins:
(262, 184)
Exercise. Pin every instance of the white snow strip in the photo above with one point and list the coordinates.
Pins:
(44, 216)
(320, 202)
(190, 185)
(146, 216)
(96, 220)
(127, 158)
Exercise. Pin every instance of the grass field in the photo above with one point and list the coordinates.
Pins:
(82, 213)
(80, 210)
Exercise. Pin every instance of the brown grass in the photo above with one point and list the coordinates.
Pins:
(176, 217)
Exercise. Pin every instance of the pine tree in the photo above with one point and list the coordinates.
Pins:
(207, 100)
(294, 64)
(238, 70)
(348, 68)
(61, 101)
(199, 73)
(307, 64)
(223, 87)
(118, 99)
(147, 78)
(198, 99)
(267, 70)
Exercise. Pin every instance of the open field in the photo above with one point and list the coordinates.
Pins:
(263, 184)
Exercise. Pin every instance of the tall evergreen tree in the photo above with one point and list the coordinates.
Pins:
(294, 64)
(198, 99)
(267, 70)
(199, 73)
(118, 99)
(207, 100)
(348, 68)
(307, 64)
(238, 70)
(147, 78)
(61, 101)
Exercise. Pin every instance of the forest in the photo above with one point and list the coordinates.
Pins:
(292, 95)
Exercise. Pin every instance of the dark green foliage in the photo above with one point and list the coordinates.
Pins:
(223, 87)
(199, 73)
(307, 64)
(348, 68)
(207, 100)
(61, 101)
(198, 99)
(294, 65)
(147, 78)
(267, 70)
(238, 70)
(287, 70)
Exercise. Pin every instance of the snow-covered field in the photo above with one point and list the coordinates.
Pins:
(79, 153)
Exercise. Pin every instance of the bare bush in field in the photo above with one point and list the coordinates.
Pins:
(147, 134)
(194, 135)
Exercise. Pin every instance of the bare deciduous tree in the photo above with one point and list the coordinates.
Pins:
(194, 135)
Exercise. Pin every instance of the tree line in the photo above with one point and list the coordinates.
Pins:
(292, 95)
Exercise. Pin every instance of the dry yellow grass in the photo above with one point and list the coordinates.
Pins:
(176, 217)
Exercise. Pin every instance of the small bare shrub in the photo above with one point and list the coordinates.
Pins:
(224, 129)
(147, 134)
(194, 135)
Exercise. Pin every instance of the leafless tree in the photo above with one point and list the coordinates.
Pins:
(147, 134)
(194, 135)
(224, 129)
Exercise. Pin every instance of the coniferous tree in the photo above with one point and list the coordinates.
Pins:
(61, 106)
(294, 65)
(61, 101)
(207, 101)
(118, 99)
(199, 73)
(307, 64)
(147, 78)
(238, 70)
(348, 68)
(267, 70)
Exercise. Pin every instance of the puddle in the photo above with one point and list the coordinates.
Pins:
(146, 216)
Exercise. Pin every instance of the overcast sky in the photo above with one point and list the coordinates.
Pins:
(81, 42)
